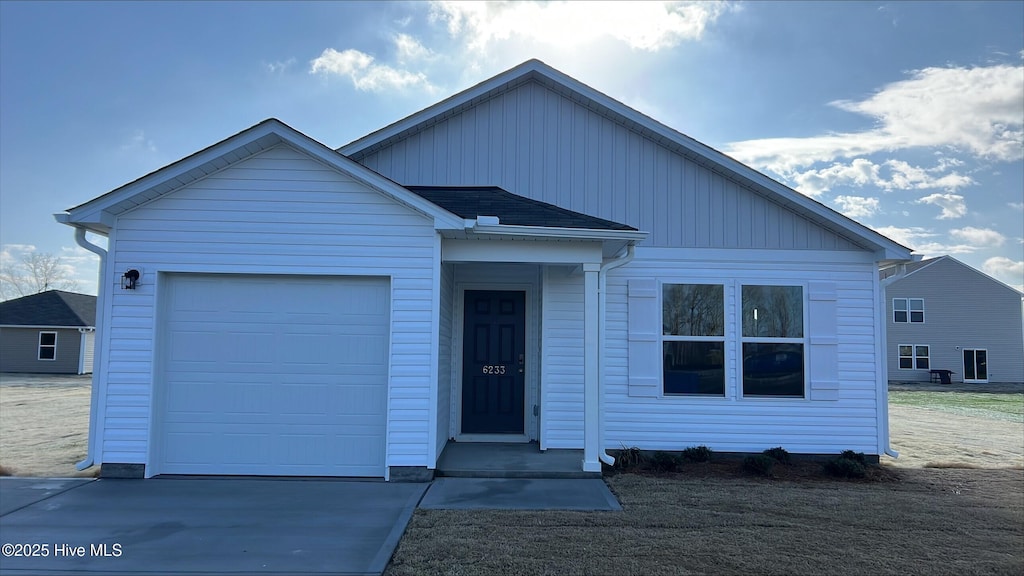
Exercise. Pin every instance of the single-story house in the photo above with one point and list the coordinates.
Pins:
(50, 332)
(943, 315)
(527, 260)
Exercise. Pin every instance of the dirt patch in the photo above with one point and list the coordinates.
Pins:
(44, 424)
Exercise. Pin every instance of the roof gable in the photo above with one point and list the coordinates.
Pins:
(99, 214)
(935, 265)
(620, 114)
(50, 308)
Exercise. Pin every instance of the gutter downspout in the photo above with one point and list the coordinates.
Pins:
(97, 345)
(603, 455)
(883, 358)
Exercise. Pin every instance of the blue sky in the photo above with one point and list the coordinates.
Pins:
(906, 116)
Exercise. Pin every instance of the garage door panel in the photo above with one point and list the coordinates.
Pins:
(285, 376)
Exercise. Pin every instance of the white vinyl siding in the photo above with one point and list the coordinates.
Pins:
(445, 357)
(841, 409)
(965, 310)
(562, 379)
(610, 171)
(278, 212)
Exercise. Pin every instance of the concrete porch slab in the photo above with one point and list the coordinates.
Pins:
(519, 494)
(500, 460)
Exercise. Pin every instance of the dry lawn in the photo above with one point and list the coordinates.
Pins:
(907, 522)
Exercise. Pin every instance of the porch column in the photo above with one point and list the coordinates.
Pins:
(591, 369)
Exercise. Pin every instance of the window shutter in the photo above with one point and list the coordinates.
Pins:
(644, 338)
(824, 341)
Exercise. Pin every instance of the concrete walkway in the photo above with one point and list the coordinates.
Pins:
(203, 526)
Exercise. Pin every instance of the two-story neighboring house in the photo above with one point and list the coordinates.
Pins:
(945, 315)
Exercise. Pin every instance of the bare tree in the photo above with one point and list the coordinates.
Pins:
(35, 272)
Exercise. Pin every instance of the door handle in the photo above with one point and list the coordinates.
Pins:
(522, 361)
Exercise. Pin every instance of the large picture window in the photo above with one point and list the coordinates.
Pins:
(908, 310)
(693, 339)
(47, 345)
(773, 341)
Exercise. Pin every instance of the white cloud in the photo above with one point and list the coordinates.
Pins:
(649, 26)
(974, 110)
(953, 205)
(981, 237)
(922, 240)
(1016, 205)
(138, 142)
(857, 206)
(1005, 268)
(279, 66)
(889, 175)
(410, 49)
(366, 75)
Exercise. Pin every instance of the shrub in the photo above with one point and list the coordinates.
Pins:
(665, 462)
(845, 468)
(697, 454)
(855, 456)
(759, 464)
(778, 454)
(629, 458)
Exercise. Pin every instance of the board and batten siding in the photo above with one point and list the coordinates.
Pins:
(962, 309)
(278, 212)
(539, 144)
(846, 420)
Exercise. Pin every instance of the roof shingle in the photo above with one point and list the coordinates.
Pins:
(50, 308)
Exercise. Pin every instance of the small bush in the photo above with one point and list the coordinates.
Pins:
(761, 464)
(629, 458)
(845, 468)
(665, 462)
(697, 454)
(5, 471)
(778, 454)
(855, 456)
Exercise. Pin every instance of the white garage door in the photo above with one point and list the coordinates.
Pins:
(272, 376)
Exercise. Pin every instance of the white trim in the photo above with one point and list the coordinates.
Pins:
(532, 373)
(963, 362)
(753, 258)
(40, 346)
(529, 252)
(45, 327)
(557, 232)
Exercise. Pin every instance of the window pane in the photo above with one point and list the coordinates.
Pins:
(922, 351)
(899, 316)
(773, 311)
(922, 364)
(915, 316)
(694, 368)
(47, 353)
(916, 304)
(906, 351)
(899, 304)
(47, 338)
(693, 310)
(906, 363)
(773, 369)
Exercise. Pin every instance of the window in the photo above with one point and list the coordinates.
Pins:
(773, 341)
(913, 356)
(693, 339)
(47, 345)
(906, 310)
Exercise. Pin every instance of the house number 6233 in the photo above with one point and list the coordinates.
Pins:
(494, 369)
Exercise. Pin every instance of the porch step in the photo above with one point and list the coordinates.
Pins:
(522, 460)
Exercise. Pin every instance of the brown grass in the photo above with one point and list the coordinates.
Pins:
(907, 522)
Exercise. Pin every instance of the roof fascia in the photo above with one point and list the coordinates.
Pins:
(556, 232)
(704, 155)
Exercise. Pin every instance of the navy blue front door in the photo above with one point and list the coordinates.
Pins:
(493, 381)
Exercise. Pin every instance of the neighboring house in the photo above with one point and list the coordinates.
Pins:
(945, 315)
(526, 260)
(51, 332)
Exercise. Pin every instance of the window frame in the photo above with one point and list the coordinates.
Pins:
(907, 308)
(803, 340)
(723, 339)
(40, 346)
(914, 357)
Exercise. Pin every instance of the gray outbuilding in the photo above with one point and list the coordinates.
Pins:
(50, 332)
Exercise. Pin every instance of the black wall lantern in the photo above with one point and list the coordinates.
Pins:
(130, 280)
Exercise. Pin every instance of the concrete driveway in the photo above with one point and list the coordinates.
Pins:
(201, 526)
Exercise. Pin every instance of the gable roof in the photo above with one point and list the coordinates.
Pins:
(511, 209)
(599, 103)
(50, 308)
(98, 214)
(918, 267)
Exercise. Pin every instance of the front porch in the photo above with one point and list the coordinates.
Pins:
(513, 460)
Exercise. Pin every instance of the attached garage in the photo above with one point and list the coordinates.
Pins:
(271, 375)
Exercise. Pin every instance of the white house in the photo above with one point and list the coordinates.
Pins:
(945, 315)
(526, 260)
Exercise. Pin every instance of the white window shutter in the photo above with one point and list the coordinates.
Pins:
(644, 338)
(824, 341)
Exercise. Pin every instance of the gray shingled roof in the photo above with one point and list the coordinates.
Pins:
(511, 209)
(51, 308)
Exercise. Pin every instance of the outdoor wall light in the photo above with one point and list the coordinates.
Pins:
(130, 280)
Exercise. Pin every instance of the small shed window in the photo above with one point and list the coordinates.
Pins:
(47, 345)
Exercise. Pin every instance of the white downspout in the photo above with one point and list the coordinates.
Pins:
(602, 455)
(882, 354)
(97, 345)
